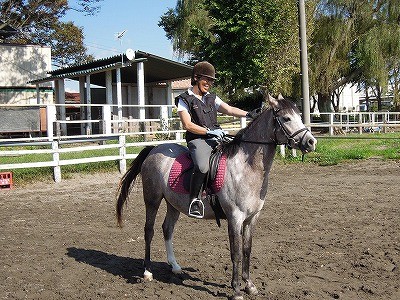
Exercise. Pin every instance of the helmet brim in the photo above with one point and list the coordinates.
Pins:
(208, 76)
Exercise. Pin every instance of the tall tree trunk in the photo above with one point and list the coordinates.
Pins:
(324, 105)
(379, 97)
(396, 90)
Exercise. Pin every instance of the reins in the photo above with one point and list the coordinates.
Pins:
(234, 137)
(290, 137)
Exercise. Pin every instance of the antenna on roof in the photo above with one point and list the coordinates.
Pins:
(119, 35)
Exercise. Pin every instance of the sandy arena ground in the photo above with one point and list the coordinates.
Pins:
(325, 233)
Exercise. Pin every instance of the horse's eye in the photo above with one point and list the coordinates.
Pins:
(286, 119)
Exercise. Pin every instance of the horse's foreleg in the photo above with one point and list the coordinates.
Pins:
(234, 229)
(248, 230)
(168, 230)
(151, 212)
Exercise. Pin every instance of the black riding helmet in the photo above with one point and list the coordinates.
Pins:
(203, 68)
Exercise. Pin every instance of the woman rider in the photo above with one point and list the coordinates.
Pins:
(197, 110)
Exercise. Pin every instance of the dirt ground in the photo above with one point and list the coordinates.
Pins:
(325, 233)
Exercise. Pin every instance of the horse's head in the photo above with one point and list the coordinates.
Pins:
(289, 128)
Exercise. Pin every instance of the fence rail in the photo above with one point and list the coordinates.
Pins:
(113, 134)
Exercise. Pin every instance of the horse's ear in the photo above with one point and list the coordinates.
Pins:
(264, 91)
(266, 95)
(280, 97)
(272, 101)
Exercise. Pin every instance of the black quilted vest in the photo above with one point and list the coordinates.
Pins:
(202, 114)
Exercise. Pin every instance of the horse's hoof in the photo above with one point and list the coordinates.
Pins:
(177, 271)
(147, 276)
(251, 290)
(237, 297)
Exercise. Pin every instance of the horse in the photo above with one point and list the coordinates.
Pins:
(249, 157)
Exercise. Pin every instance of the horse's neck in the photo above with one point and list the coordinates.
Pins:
(262, 151)
(262, 128)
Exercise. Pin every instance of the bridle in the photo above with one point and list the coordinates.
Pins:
(291, 142)
(290, 138)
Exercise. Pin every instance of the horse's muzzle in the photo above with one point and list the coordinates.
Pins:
(308, 143)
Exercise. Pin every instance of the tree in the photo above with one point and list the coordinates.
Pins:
(331, 44)
(250, 42)
(254, 42)
(184, 23)
(39, 22)
(66, 42)
(354, 41)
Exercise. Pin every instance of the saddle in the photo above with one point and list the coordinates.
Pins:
(181, 171)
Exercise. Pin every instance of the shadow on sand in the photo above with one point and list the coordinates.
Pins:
(132, 269)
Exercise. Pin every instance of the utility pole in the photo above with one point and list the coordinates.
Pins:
(304, 63)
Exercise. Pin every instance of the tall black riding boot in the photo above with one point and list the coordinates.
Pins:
(196, 208)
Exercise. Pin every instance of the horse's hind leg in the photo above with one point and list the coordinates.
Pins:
(152, 203)
(168, 230)
(248, 229)
(234, 230)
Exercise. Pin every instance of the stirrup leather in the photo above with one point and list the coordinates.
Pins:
(201, 208)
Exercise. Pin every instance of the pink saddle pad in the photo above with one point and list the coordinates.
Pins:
(180, 169)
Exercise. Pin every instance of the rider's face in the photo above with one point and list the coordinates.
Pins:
(204, 84)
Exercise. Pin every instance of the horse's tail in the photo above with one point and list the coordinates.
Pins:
(128, 180)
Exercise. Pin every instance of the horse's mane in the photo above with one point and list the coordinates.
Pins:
(231, 148)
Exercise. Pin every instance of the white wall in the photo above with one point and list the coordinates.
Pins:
(349, 99)
(22, 63)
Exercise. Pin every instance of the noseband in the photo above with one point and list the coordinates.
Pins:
(291, 142)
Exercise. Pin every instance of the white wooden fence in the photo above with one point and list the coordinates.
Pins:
(56, 142)
(359, 122)
(111, 128)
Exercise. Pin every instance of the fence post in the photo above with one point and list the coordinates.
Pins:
(360, 129)
(178, 135)
(331, 124)
(106, 119)
(51, 118)
(122, 154)
(243, 122)
(56, 159)
(385, 122)
(164, 118)
(282, 150)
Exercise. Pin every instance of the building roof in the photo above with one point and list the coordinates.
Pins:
(156, 69)
(6, 30)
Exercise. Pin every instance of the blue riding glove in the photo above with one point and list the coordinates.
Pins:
(218, 133)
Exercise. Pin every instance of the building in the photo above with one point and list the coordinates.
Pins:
(349, 98)
(18, 65)
(124, 82)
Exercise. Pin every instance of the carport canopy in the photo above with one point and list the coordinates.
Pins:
(156, 70)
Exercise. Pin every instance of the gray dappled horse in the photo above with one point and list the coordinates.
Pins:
(242, 196)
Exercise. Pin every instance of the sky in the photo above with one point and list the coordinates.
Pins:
(138, 17)
(140, 20)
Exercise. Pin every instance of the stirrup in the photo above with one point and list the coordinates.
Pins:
(200, 206)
